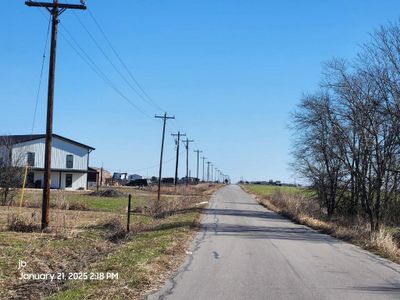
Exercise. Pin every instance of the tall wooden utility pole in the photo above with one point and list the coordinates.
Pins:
(165, 118)
(203, 158)
(208, 171)
(178, 141)
(198, 157)
(186, 142)
(55, 9)
(101, 175)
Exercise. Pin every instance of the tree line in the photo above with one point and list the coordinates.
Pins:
(347, 133)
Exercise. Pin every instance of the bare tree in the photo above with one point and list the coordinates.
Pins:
(348, 136)
(11, 171)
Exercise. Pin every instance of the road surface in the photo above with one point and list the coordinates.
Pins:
(244, 251)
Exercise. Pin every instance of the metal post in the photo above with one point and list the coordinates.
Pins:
(129, 213)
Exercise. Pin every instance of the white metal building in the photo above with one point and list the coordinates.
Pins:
(134, 177)
(69, 160)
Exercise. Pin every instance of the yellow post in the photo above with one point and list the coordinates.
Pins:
(23, 188)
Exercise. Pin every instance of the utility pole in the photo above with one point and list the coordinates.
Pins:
(198, 156)
(165, 118)
(186, 142)
(101, 175)
(55, 9)
(208, 171)
(203, 158)
(212, 168)
(177, 141)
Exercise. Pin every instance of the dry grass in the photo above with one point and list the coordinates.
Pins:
(306, 210)
(94, 238)
(190, 190)
(23, 223)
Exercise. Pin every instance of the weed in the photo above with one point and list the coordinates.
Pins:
(22, 223)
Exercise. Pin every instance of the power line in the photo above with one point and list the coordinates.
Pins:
(87, 59)
(40, 76)
(123, 63)
(95, 68)
(110, 61)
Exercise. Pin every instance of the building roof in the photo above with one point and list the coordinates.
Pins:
(17, 139)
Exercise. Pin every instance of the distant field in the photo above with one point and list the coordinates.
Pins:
(268, 190)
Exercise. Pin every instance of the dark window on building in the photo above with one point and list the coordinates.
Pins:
(31, 159)
(30, 180)
(68, 180)
(70, 161)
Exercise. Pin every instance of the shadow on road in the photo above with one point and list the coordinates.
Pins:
(387, 289)
(243, 213)
(281, 232)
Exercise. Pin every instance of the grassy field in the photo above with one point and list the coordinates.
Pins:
(84, 200)
(267, 190)
(93, 242)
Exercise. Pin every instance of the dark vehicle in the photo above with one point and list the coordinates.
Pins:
(168, 180)
(138, 182)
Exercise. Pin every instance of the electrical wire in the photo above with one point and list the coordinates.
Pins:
(96, 69)
(40, 77)
(96, 43)
(124, 65)
(87, 59)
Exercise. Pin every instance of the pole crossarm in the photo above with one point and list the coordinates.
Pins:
(165, 117)
(62, 6)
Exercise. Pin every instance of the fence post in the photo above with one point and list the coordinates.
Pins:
(129, 213)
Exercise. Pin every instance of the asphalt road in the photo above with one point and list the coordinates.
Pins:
(247, 252)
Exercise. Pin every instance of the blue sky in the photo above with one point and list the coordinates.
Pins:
(231, 71)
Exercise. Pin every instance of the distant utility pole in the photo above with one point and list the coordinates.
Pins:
(165, 118)
(198, 156)
(208, 171)
(101, 175)
(178, 139)
(212, 168)
(55, 9)
(203, 158)
(186, 142)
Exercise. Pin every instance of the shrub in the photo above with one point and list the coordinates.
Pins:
(20, 223)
